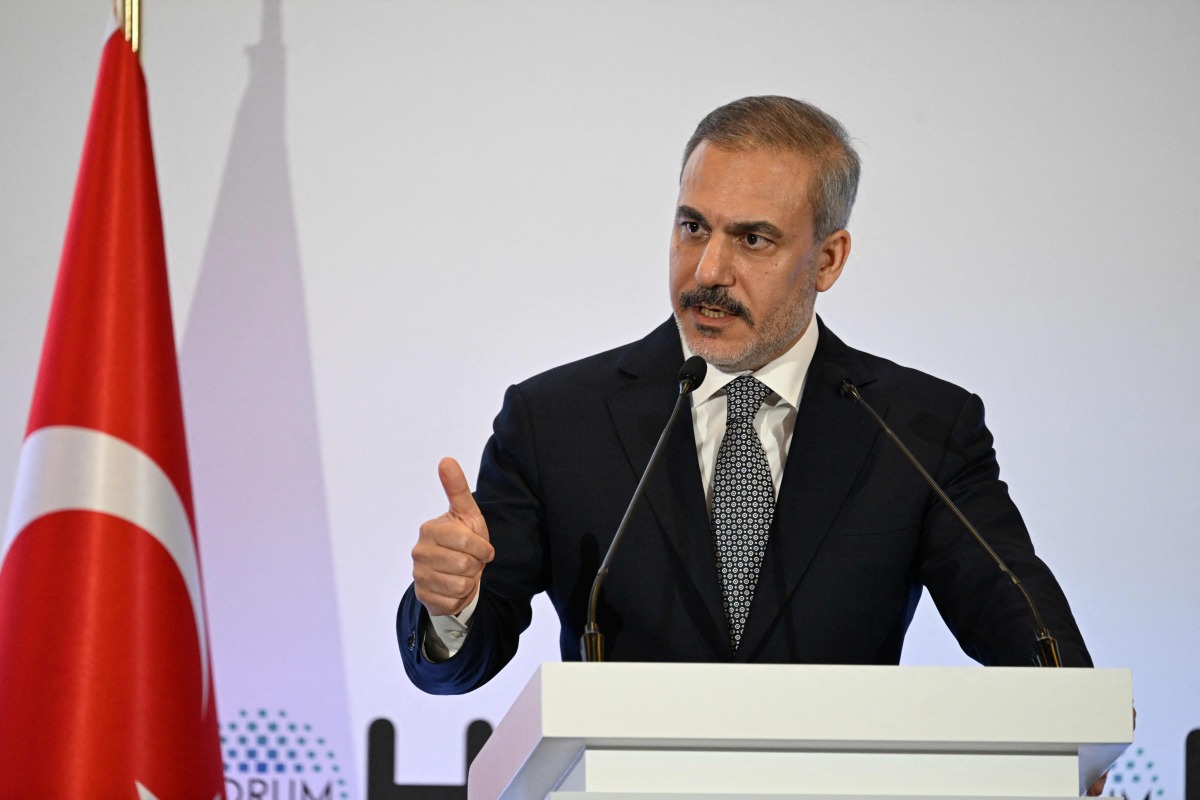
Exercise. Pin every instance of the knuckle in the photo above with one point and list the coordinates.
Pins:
(464, 564)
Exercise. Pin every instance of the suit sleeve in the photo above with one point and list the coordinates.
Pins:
(509, 498)
(984, 611)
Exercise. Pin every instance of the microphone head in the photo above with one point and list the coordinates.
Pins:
(836, 379)
(692, 373)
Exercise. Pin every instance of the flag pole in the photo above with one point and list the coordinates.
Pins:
(133, 23)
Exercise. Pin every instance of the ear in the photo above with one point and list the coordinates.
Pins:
(832, 257)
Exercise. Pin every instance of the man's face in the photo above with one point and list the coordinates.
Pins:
(744, 267)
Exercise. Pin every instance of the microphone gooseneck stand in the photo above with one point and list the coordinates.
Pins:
(1047, 647)
(591, 644)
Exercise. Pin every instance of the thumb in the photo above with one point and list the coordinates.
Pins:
(458, 491)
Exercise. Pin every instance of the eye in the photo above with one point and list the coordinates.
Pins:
(756, 242)
(691, 227)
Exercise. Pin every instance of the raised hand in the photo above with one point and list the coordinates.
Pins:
(452, 549)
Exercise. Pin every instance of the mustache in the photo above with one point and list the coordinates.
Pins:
(714, 297)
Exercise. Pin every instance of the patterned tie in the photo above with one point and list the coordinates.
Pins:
(743, 502)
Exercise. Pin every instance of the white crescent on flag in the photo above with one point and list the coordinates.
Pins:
(66, 468)
(146, 794)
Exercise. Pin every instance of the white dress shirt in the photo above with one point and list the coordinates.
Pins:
(776, 417)
(774, 422)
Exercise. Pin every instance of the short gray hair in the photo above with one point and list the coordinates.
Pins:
(781, 123)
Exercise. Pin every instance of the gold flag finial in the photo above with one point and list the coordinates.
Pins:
(132, 17)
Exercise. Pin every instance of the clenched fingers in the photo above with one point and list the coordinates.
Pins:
(454, 544)
(448, 560)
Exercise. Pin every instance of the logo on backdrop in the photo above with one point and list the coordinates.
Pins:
(270, 756)
(1134, 777)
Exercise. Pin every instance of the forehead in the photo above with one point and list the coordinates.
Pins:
(758, 183)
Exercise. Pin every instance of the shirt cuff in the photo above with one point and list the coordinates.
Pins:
(449, 632)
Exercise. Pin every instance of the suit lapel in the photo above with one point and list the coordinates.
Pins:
(830, 444)
(639, 409)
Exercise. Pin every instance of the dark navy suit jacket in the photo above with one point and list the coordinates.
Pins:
(856, 532)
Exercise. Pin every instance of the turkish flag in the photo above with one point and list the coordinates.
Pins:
(106, 686)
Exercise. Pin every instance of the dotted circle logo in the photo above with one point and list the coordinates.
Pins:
(260, 747)
(1134, 777)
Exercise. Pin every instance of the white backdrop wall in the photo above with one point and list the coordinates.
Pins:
(459, 195)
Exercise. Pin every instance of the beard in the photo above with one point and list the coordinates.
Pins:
(769, 336)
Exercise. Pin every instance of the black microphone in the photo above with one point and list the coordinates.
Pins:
(591, 644)
(838, 379)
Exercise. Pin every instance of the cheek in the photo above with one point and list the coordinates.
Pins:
(771, 290)
(795, 283)
(762, 283)
(681, 270)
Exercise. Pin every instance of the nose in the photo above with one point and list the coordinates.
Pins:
(715, 267)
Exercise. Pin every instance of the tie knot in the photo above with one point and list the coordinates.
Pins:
(744, 395)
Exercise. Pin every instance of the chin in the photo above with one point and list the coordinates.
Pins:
(713, 346)
(718, 353)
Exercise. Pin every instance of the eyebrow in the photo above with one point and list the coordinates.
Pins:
(760, 227)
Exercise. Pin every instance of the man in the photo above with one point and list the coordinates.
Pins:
(781, 525)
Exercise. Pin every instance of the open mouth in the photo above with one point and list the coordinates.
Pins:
(714, 303)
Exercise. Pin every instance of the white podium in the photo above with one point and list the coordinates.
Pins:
(632, 731)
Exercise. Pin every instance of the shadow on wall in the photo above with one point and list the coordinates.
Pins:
(252, 432)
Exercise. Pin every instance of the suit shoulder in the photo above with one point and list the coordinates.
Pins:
(896, 379)
(658, 351)
(584, 370)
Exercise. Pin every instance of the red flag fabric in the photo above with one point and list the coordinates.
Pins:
(106, 686)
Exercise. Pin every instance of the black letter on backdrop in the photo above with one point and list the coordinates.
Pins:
(381, 765)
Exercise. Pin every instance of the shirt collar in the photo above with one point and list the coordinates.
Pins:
(784, 376)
